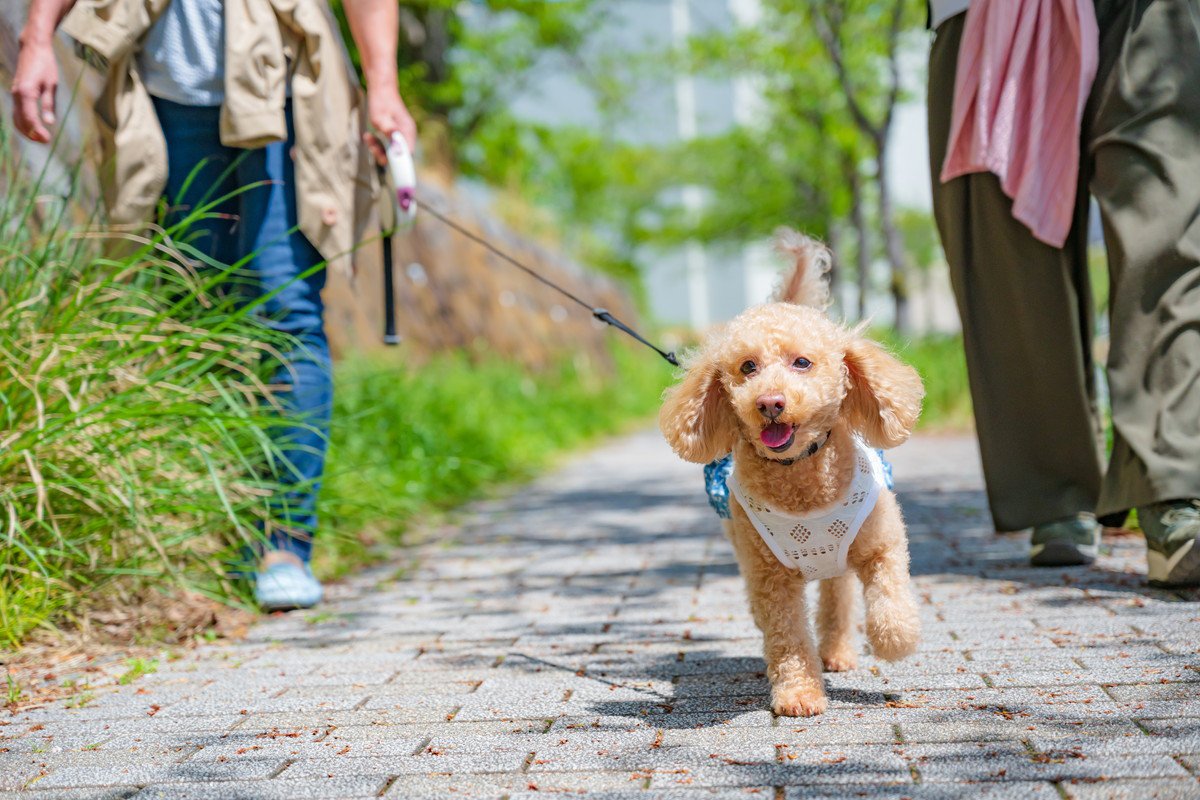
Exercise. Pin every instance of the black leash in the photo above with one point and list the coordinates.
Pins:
(601, 314)
(389, 300)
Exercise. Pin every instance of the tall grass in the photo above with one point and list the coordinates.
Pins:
(132, 415)
(134, 420)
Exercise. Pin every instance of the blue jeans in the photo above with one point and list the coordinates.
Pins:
(263, 221)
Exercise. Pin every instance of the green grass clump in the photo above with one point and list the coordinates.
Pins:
(940, 361)
(137, 668)
(134, 421)
(410, 438)
(132, 416)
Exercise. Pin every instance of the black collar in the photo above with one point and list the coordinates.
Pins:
(811, 450)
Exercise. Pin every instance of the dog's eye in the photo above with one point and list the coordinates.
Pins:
(802, 363)
(749, 367)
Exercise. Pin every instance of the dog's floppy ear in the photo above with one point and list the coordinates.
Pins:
(884, 399)
(695, 416)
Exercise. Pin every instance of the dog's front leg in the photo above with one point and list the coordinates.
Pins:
(880, 557)
(776, 597)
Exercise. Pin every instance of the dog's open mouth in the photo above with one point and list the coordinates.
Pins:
(778, 436)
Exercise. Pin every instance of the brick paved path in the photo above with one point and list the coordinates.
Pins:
(589, 635)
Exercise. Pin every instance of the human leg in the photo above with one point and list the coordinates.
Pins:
(289, 276)
(1026, 316)
(1144, 144)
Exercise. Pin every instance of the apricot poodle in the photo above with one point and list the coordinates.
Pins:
(801, 402)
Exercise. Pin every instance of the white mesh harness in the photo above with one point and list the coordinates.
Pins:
(816, 543)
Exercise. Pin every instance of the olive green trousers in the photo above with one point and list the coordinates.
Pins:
(1026, 307)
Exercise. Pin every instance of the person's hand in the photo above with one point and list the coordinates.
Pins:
(34, 84)
(388, 115)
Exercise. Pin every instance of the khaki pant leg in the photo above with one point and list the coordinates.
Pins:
(1145, 145)
(1026, 315)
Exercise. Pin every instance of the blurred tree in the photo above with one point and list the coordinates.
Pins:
(813, 155)
(919, 234)
(460, 63)
(797, 160)
(816, 154)
(861, 39)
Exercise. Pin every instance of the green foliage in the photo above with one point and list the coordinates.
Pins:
(410, 440)
(920, 237)
(1098, 276)
(13, 689)
(132, 415)
(826, 71)
(134, 422)
(943, 368)
(459, 62)
(137, 668)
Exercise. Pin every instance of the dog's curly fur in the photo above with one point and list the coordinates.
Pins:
(853, 387)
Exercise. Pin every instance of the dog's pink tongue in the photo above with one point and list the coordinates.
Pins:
(776, 434)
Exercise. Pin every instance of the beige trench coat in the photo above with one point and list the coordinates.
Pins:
(266, 41)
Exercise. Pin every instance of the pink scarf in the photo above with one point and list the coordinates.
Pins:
(1025, 69)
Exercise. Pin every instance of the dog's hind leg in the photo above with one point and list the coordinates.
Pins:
(776, 597)
(835, 623)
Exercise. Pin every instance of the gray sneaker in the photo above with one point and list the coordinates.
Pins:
(286, 586)
(1070, 542)
(1172, 530)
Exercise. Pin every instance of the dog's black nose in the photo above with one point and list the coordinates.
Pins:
(771, 405)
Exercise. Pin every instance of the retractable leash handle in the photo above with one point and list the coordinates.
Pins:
(404, 179)
(402, 194)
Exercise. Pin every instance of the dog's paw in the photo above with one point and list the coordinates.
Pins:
(839, 660)
(798, 702)
(894, 638)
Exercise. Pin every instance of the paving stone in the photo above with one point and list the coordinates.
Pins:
(986, 767)
(815, 765)
(71, 794)
(986, 729)
(142, 774)
(1191, 760)
(785, 735)
(495, 730)
(652, 758)
(1181, 726)
(305, 789)
(1017, 790)
(1129, 744)
(349, 766)
(301, 750)
(708, 793)
(494, 787)
(37, 744)
(549, 745)
(1162, 789)
(103, 729)
(594, 638)
(96, 758)
(321, 722)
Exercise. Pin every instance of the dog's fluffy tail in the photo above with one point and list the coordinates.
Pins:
(808, 284)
